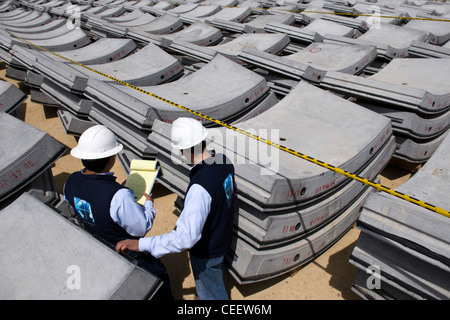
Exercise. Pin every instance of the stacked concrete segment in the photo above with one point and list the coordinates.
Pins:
(419, 109)
(74, 269)
(26, 154)
(405, 102)
(406, 246)
(287, 204)
(10, 97)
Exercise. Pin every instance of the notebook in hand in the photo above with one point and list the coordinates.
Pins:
(142, 177)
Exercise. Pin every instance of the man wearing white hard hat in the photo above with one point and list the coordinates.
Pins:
(106, 208)
(206, 222)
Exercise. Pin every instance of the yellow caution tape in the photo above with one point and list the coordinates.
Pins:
(353, 176)
(373, 15)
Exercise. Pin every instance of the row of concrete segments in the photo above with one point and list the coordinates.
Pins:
(263, 69)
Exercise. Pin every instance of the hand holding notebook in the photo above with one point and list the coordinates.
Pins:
(142, 177)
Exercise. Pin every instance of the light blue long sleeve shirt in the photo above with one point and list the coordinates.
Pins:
(189, 226)
(137, 220)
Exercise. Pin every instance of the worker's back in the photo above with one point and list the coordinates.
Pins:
(216, 176)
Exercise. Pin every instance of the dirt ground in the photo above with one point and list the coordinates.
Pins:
(328, 277)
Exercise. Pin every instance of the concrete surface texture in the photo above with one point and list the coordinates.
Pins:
(328, 277)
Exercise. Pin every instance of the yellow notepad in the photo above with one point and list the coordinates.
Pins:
(142, 177)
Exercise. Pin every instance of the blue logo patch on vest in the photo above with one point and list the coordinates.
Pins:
(84, 210)
(228, 186)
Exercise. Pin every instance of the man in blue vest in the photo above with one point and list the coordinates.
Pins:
(107, 209)
(206, 222)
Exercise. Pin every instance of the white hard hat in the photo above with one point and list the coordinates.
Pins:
(186, 133)
(97, 142)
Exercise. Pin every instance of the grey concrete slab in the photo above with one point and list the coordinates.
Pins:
(236, 14)
(183, 8)
(231, 89)
(439, 32)
(254, 26)
(359, 26)
(223, 3)
(142, 37)
(7, 6)
(400, 84)
(313, 12)
(15, 73)
(126, 16)
(32, 273)
(411, 124)
(36, 95)
(426, 50)
(263, 104)
(11, 97)
(142, 3)
(73, 102)
(74, 39)
(295, 181)
(52, 4)
(199, 33)
(248, 265)
(72, 124)
(158, 8)
(411, 72)
(25, 15)
(162, 25)
(314, 61)
(270, 229)
(417, 151)
(44, 189)
(104, 50)
(323, 27)
(29, 22)
(109, 12)
(270, 43)
(104, 29)
(417, 11)
(68, 11)
(140, 21)
(368, 12)
(94, 10)
(410, 274)
(47, 34)
(58, 72)
(25, 152)
(11, 14)
(413, 226)
(363, 280)
(296, 34)
(396, 37)
(160, 67)
(202, 11)
(65, 8)
(45, 28)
